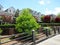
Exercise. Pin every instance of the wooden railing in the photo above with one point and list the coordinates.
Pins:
(34, 38)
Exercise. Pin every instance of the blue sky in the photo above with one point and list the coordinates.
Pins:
(43, 6)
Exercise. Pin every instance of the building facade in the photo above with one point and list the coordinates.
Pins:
(7, 15)
(11, 10)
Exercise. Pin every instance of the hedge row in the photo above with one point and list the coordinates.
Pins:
(50, 24)
(7, 26)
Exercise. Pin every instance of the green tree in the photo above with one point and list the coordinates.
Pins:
(26, 22)
(17, 13)
(1, 30)
(42, 18)
(58, 14)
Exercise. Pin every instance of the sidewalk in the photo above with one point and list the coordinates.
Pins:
(51, 41)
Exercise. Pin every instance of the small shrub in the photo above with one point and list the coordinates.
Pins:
(46, 18)
(48, 30)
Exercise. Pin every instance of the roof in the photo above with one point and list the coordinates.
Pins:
(9, 8)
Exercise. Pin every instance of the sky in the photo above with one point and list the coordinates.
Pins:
(43, 6)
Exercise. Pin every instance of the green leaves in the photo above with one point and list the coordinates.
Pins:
(17, 13)
(48, 28)
(1, 30)
(26, 22)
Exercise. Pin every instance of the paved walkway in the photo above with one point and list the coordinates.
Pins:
(51, 41)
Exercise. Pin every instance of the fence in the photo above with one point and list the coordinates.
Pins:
(32, 38)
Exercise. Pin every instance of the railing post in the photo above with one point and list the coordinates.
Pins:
(49, 32)
(54, 31)
(33, 37)
(0, 39)
(46, 32)
(58, 31)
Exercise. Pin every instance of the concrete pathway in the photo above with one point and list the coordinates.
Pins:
(51, 41)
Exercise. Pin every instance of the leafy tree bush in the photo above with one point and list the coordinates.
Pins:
(1, 30)
(17, 13)
(42, 18)
(58, 14)
(26, 22)
(57, 19)
(46, 18)
(48, 29)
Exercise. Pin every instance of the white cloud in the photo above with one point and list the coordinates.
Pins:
(48, 2)
(54, 11)
(43, 2)
(47, 11)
